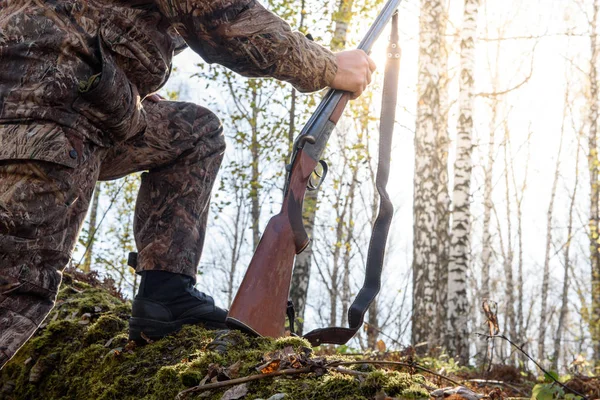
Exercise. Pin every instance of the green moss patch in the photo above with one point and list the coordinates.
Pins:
(82, 352)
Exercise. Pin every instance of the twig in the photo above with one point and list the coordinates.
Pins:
(492, 382)
(346, 371)
(218, 385)
(408, 365)
(535, 362)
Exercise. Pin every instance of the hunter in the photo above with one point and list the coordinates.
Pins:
(77, 105)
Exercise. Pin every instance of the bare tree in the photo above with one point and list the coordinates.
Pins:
(549, 227)
(564, 309)
(593, 166)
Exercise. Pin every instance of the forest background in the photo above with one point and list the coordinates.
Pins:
(494, 180)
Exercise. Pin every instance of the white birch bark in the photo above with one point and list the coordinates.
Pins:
(546, 271)
(458, 305)
(430, 121)
(562, 316)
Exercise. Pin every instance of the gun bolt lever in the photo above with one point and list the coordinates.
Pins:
(306, 139)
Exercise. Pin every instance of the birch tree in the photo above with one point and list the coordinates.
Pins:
(549, 228)
(564, 308)
(458, 340)
(430, 182)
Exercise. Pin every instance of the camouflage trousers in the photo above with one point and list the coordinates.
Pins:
(43, 205)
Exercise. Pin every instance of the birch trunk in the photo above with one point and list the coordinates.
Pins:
(593, 165)
(509, 297)
(486, 252)
(519, 194)
(546, 272)
(458, 305)
(562, 316)
(430, 178)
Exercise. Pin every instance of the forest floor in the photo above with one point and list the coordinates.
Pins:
(82, 352)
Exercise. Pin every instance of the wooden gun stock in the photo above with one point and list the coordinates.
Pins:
(260, 304)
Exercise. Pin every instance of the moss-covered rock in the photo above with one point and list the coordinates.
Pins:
(82, 352)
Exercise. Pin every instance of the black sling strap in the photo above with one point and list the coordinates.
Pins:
(375, 257)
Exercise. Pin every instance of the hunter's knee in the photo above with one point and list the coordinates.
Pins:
(207, 131)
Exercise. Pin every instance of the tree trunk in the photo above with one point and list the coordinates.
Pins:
(254, 182)
(458, 305)
(519, 194)
(509, 296)
(562, 316)
(593, 160)
(91, 237)
(546, 272)
(429, 249)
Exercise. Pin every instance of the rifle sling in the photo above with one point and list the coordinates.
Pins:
(375, 257)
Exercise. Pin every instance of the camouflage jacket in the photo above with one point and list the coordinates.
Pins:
(75, 70)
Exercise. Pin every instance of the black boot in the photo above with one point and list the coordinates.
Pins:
(166, 301)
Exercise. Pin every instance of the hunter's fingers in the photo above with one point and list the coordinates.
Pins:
(354, 72)
(372, 65)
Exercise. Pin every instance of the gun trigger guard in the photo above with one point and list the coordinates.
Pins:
(311, 186)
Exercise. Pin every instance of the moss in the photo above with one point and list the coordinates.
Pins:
(106, 327)
(296, 342)
(415, 392)
(83, 353)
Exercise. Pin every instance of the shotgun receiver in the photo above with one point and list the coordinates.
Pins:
(260, 304)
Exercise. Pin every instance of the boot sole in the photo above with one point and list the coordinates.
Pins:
(155, 330)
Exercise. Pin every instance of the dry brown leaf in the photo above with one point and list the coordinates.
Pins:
(146, 338)
(236, 392)
(490, 308)
(271, 366)
(234, 370)
(381, 347)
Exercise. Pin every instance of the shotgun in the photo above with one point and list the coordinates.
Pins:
(260, 304)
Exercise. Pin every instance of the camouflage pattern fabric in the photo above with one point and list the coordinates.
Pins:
(42, 207)
(75, 70)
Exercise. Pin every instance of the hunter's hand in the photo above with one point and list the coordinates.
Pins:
(354, 72)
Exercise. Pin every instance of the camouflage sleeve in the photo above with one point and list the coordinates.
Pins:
(247, 38)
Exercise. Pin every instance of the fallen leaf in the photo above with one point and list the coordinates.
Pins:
(130, 346)
(234, 370)
(271, 366)
(146, 338)
(381, 346)
(236, 392)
